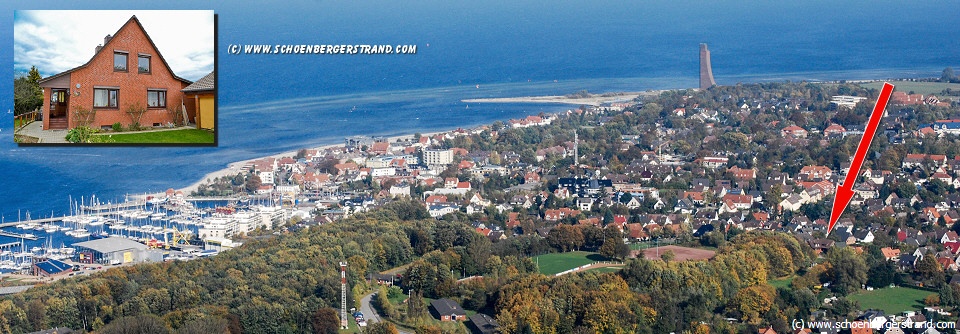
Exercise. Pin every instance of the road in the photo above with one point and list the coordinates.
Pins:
(370, 314)
(367, 309)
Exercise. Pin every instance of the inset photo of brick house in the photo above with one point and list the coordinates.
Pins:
(146, 78)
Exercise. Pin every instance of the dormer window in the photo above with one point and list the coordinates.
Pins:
(143, 63)
(119, 61)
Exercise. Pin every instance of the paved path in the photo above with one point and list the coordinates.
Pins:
(367, 309)
(35, 129)
(370, 314)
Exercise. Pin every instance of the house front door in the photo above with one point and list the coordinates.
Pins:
(59, 102)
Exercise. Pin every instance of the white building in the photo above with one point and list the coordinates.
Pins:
(402, 189)
(435, 157)
(218, 227)
(270, 216)
(846, 100)
(247, 221)
(386, 171)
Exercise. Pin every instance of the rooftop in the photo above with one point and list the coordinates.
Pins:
(110, 245)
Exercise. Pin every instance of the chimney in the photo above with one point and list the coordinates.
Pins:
(97, 49)
(107, 39)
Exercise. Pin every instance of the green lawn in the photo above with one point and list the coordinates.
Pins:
(782, 282)
(553, 263)
(891, 300)
(606, 269)
(184, 136)
(917, 87)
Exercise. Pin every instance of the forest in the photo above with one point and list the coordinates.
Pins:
(289, 283)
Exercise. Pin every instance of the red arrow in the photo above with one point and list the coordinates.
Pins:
(845, 191)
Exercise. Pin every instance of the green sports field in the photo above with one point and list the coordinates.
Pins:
(917, 87)
(892, 300)
(553, 263)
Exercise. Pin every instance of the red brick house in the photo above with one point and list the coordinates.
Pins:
(125, 71)
(447, 310)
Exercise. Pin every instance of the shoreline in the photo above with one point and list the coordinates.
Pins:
(237, 166)
(592, 100)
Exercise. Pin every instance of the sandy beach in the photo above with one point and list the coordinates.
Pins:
(237, 167)
(593, 100)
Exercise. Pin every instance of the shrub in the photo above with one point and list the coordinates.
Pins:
(117, 127)
(80, 134)
(83, 116)
(135, 111)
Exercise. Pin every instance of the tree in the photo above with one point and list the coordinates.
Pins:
(37, 314)
(206, 325)
(847, 271)
(593, 237)
(883, 275)
(614, 248)
(667, 256)
(754, 302)
(383, 303)
(27, 94)
(146, 323)
(565, 238)
(416, 307)
(948, 75)
(929, 269)
(252, 183)
(382, 328)
(325, 321)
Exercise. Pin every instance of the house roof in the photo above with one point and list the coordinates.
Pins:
(9, 290)
(112, 244)
(484, 323)
(105, 49)
(53, 266)
(204, 84)
(55, 330)
(446, 306)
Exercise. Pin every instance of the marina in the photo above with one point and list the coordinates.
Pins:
(157, 223)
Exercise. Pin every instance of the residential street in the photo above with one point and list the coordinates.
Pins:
(370, 314)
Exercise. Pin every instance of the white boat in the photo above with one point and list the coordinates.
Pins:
(67, 250)
(81, 234)
(51, 228)
(22, 226)
(29, 236)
